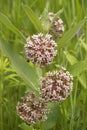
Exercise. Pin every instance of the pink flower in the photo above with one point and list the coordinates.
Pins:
(56, 86)
(40, 49)
(32, 110)
(57, 27)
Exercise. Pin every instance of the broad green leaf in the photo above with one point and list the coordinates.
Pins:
(4, 20)
(84, 45)
(39, 72)
(71, 59)
(53, 117)
(24, 126)
(78, 68)
(83, 79)
(26, 71)
(33, 18)
(70, 33)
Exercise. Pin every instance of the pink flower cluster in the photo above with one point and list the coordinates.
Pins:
(56, 86)
(32, 110)
(57, 27)
(40, 50)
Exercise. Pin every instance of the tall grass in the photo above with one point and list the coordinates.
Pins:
(18, 19)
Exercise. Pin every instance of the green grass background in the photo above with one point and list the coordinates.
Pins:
(18, 19)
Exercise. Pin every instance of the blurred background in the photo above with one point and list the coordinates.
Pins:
(15, 26)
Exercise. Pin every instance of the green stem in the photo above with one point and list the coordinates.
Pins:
(1, 93)
(72, 113)
(73, 105)
(41, 125)
(43, 71)
(75, 95)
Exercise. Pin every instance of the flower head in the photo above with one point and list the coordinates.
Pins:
(32, 110)
(40, 50)
(57, 26)
(56, 86)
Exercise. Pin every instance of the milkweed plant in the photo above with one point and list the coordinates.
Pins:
(43, 65)
(55, 85)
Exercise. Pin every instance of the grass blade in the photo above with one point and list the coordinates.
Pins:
(33, 18)
(78, 68)
(4, 20)
(70, 58)
(83, 80)
(70, 33)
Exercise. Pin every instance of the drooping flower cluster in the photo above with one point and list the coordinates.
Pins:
(56, 86)
(40, 50)
(57, 27)
(32, 110)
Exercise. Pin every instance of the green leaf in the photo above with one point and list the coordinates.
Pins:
(78, 68)
(33, 18)
(84, 46)
(26, 71)
(71, 59)
(4, 20)
(53, 117)
(39, 72)
(24, 126)
(70, 34)
(83, 79)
